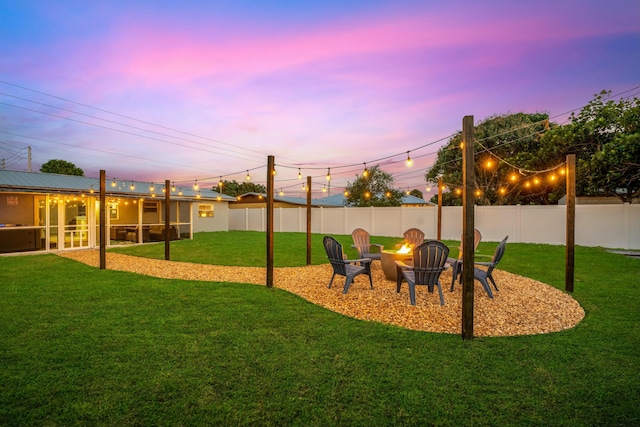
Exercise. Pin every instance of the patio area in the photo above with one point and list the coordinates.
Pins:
(522, 307)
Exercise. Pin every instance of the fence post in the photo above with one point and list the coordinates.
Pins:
(571, 222)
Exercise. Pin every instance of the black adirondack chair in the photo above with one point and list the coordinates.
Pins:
(349, 268)
(485, 275)
(429, 261)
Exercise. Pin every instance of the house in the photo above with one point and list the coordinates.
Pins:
(50, 212)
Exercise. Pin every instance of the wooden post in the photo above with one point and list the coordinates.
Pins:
(308, 220)
(270, 172)
(167, 220)
(468, 188)
(103, 220)
(571, 222)
(439, 208)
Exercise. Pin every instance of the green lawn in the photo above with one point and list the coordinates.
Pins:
(83, 346)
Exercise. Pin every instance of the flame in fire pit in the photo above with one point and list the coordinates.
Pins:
(405, 249)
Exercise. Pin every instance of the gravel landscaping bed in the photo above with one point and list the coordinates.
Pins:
(523, 306)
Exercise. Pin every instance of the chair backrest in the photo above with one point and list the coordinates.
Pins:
(413, 236)
(477, 236)
(362, 241)
(335, 254)
(497, 255)
(429, 259)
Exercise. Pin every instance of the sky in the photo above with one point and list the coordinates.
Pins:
(202, 90)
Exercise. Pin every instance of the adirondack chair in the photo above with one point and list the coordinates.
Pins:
(485, 275)
(361, 242)
(413, 237)
(429, 261)
(349, 268)
(456, 263)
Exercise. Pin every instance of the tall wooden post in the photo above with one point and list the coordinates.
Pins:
(167, 220)
(571, 222)
(468, 188)
(270, 172)
(103, 220)
(439, 208)
(308, 220)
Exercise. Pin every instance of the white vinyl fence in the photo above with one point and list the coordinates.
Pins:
(610, 226)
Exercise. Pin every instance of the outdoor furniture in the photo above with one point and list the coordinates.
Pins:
(412, 237)
(429, 261)
(349, 268)
(482, 275)
(361, 242)
(456, 263)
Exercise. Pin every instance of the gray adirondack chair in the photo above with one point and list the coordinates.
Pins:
(413, 237)
(349, 268)
(429, 261)
(485, 275)
(362, 243)
(456, 263)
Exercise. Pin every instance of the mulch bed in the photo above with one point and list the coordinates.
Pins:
(523, 306)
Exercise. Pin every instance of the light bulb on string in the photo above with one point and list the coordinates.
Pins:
(152, 188)
(195, 185)
(248, 176)
(220, 183)
(180, 191)
(365, 173)
(281, 193)
(409, 161)
(328, 174)
(113, 183)
(132, 187)
(299, 174)
(173, 187)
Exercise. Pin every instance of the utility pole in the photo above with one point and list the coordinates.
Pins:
(28, 159)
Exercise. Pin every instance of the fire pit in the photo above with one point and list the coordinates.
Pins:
(388, 260)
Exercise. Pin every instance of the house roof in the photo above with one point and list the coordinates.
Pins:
(49, 182)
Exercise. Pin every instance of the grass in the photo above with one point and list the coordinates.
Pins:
(81, 346)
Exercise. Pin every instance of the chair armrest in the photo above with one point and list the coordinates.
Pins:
(381, 247)
(486, 264)
(364, 260)
(402, 265)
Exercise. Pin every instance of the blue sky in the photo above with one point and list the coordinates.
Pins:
(207, 89)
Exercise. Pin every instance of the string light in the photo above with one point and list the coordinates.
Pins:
(113, 183)
(180, 191)
(248, 176)
(152, 188)
(488, 164)
(195, 185)
(428, 188)
(198, 195)
(299, 174)
(220, 183)
(91, 190)
(328, 174)
(346, 193)
(367, 195)
(273, 172)
(365, 173)
(281, 193)
(173, 187)
(132, 187)
(324, 188)
(409, 161)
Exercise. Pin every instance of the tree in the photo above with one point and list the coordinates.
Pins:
(416, 193)
(374, 189)
(233, 188)
(503, 147)
(605, 137)
(61, 167)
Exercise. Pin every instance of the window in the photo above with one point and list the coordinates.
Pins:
(205, 211)
(150, 207)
